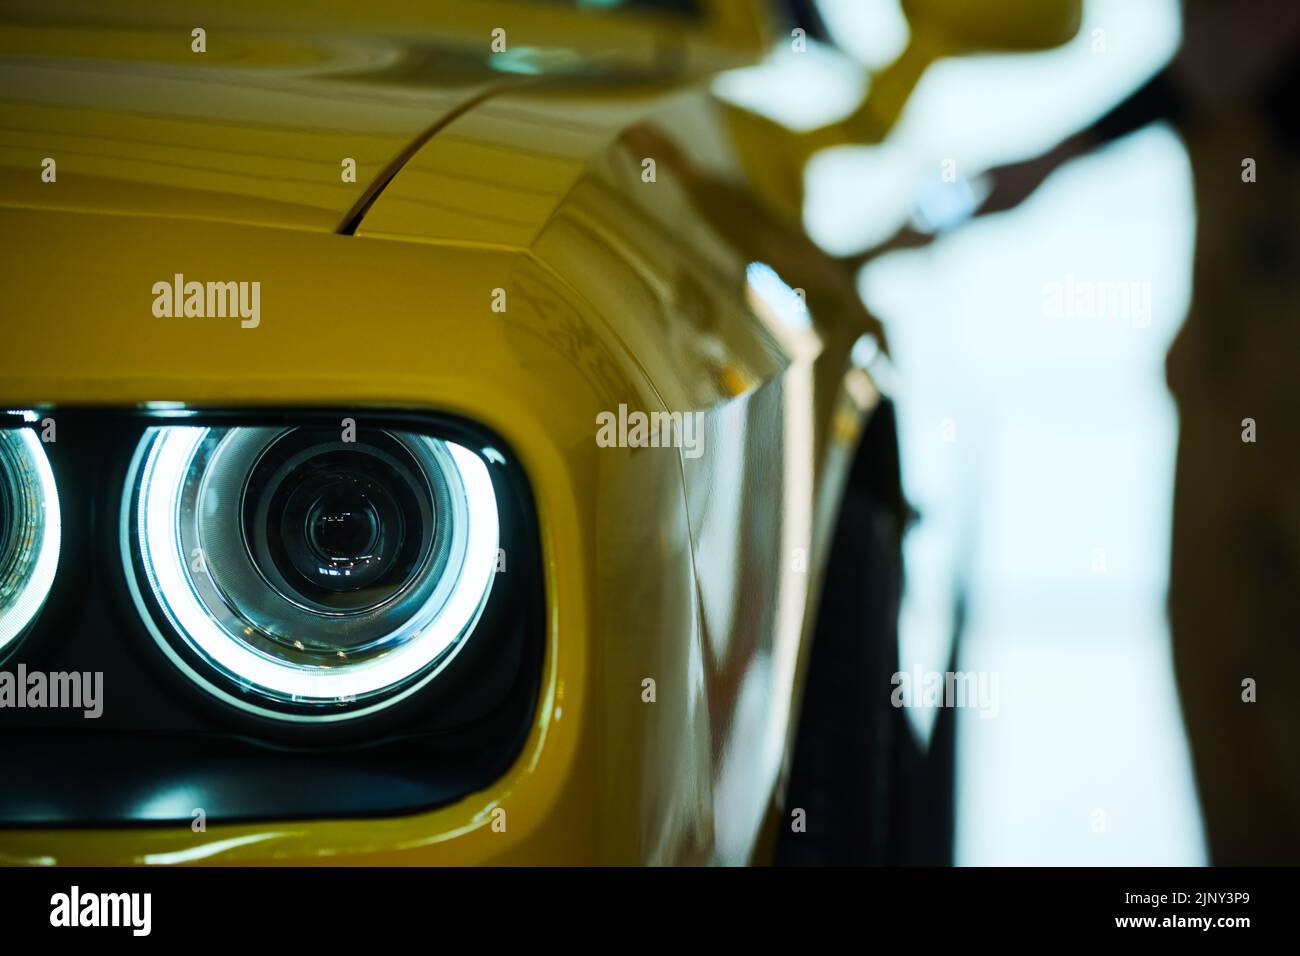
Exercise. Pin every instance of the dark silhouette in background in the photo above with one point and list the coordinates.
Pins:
(1231, 94)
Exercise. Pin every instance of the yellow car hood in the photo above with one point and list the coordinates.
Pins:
(260, 128)
(255, 112)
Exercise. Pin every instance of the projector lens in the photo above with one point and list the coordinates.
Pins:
(307, 577)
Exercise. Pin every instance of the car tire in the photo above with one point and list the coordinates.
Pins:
(870, 793)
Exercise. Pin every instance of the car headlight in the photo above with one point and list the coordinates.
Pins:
(29, 531)
(305, 577)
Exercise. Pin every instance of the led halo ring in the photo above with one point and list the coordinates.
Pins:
(430, 637)
(30, 554)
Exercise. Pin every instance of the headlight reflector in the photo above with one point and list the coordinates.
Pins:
(304, 576)
(29, 531)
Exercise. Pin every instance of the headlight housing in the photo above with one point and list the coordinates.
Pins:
(345, 641)
(29, 532)
(302, 576)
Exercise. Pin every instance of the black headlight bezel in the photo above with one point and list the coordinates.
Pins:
(454, 735)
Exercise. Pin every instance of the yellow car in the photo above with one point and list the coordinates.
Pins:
(427, 437)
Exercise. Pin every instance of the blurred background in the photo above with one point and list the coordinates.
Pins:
(1037, 442)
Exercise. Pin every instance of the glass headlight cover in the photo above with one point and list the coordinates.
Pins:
(303, 577)
(29, 531)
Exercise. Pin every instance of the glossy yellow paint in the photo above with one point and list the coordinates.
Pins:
(676, 294)
(256, 130)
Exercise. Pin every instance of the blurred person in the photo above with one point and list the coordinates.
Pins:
(1234, 594)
